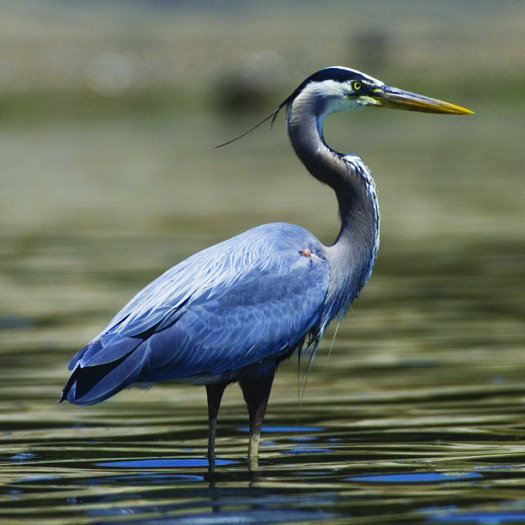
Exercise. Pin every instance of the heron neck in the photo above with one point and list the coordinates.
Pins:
(352, 255)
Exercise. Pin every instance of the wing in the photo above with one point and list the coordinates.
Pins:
(224, 308)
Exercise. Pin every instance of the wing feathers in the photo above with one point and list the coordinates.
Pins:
(225, 308)
(95, 384)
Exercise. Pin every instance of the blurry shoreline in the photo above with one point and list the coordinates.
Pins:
(62, 59)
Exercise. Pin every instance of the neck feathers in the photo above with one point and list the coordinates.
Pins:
(352, 255)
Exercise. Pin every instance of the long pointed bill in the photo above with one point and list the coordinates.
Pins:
(390, 97)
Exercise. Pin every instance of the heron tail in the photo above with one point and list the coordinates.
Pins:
(93, 384)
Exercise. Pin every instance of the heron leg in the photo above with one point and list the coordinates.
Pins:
(214, 394)
(256, 390)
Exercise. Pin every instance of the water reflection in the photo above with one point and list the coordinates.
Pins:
(164, 463)
(416, 456)
(417, 477)
(454, 516)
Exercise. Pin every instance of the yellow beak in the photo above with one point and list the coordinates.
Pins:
(390, 97)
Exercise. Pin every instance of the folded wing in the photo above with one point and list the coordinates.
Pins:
(227, 307)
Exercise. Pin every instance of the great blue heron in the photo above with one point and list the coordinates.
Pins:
(235, 311)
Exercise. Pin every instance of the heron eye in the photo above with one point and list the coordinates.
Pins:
(356, 86)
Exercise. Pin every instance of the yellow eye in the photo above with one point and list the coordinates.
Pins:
(356, 86)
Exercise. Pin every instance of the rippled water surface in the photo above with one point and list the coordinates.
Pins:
(414, 413)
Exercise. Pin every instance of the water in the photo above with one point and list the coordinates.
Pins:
(413, 415)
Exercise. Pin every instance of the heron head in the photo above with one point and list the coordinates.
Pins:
(336, 88)
(339, 89)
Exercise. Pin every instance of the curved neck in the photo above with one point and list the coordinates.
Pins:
(353, 253)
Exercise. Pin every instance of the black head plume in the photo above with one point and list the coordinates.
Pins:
(338, 74)
(273, 116)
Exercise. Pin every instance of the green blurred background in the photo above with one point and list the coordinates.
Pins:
(110, 112)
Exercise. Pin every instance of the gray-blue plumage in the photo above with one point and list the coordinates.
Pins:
(226, 307)
(235, 311)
